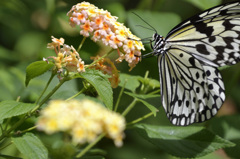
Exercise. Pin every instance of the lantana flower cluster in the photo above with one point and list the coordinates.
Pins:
(67, 57)
(85, 120)
(100, 25)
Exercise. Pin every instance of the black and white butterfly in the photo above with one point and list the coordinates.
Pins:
(192, 89)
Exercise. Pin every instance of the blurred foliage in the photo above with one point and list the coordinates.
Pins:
(26, 27)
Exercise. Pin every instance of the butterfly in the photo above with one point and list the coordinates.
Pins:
(192, 89)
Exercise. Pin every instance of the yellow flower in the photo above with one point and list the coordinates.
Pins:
(84, 120)
(102, 26)
(67, 57)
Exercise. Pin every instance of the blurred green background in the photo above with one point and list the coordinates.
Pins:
(26, 26)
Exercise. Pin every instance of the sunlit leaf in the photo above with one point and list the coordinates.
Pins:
(30, 146)
(36, 69)
(13, 108)
(186, 142)
(100, 82)
(131, 82)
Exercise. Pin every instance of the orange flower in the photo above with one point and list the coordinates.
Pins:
(102, 26)
(107, 67)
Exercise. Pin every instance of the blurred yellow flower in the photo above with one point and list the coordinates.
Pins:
(102, 26)
(84, 120)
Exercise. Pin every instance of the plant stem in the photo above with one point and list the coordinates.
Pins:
(9, 157)
(6, 146)
(38, 106)
(50, 94)
(94, 62)
(155, 92)
(29, 129)
(1, 128)
(145, 76)
(140, 119)
(90, 145)
(49, 81)
(119, 96)
(80, 92)
(81, 44)
(13, 127)
(6, 125)
(125, 112)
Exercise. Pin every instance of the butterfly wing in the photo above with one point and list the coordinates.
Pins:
(213, 37)
(191, 92)
(191, 85)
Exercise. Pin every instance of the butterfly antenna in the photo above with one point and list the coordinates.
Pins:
(145, 39)
(150, 54)
(145, 27)
(145, 22)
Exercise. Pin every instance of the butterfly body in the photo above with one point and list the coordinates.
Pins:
(192, 89)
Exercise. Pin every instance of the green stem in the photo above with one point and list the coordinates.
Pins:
(7, 122)
(29, 129)
(50, 94)
(145, 76)
(9, 157)
(80, 92)
(99, 59)
(90, 145)
(6, 146)
(38, 106)
(155, 92)
(13, 127)
(126, 111)
(140, 119)
(119, 96)
(81, 44)
(1, 128)
(49, 81)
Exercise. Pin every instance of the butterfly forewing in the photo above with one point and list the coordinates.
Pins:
(191, 86)
(212, 36)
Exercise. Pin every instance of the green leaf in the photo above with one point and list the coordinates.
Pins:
(143, 96)
(228, 128)
(131, 82)
(155, 19)
(30, 146)
(148, 105)
(100, 82)
(154, 83)
(223, 67)
(204, 4)
(186, 142)
(13, 108)
(93, 157)
(36, 69)
(9, 157)
(150, 82)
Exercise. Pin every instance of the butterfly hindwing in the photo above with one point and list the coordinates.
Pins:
(191, 92)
